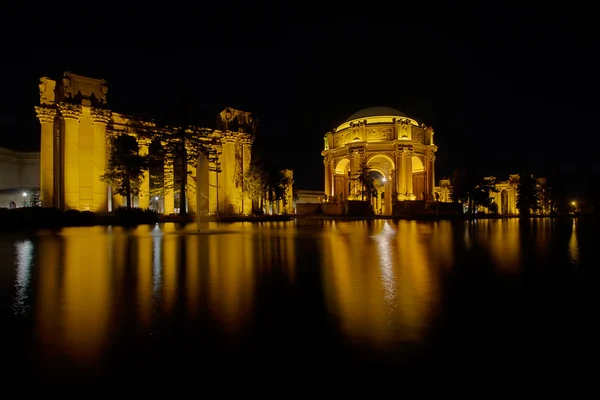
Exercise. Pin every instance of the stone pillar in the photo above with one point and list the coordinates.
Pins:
(246, 159)
(401, 174)
(430, 176)
(409, 174)
(190, 189)
(213, 180)
(169, 189)
(70, 114)
(227, 196)
(48, 152)
(144, 193)
(327, 168)
(100, 118)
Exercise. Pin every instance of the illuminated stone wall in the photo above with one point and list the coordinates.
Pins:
(76, 129)
(396, 146)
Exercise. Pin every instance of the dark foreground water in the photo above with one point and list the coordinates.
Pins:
(301, 298)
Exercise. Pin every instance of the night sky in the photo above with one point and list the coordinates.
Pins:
(505, 88)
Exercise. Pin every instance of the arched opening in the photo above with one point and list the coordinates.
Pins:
(385, 182)
(379, 186)
(340, 180)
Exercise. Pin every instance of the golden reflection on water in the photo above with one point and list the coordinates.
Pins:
(574, 244)
(503, 241)
(86, 285)
(379, 280)
(231, 280)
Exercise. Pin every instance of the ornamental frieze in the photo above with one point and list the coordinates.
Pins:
(379, 134)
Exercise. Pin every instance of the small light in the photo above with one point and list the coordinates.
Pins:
(24, 194)
(573, 203)
(383, 180)
(156, 198)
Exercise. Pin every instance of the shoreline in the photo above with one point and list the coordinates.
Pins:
(32, 219)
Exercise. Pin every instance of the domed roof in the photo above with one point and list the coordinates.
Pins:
(376, 112)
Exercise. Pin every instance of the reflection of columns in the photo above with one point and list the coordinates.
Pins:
(169, 189)
(47, 154)
(100, 118)
(144, 194)
(70, 114)
(327, 168)
(409, 173)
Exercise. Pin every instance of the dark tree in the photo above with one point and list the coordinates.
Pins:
(472, 188)
(182, 148)
(365, 180)
(557, 195)
(125, 167)
(527, 195)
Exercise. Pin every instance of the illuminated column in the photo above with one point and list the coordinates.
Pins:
(227, 178)
(70, 114)
(100, 118)
(401, 174)
(430, 176)
(409, 175)
(190, 189)
(144, 194)
(213, 180)
(169, 189)
(327, 167)
(246, 159)
(47, 116)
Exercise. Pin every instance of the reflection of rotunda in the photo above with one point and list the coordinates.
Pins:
(398, 152)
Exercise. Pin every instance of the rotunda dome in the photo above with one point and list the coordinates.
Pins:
(376, 112)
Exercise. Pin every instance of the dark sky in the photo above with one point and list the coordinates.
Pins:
(504, 87)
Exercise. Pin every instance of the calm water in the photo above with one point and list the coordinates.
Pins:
(103, 304)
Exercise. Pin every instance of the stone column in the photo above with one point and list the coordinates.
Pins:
(246, 159)
(213, 180)
(430, 177)
(409, 174)
(190, 189)
(100, 118)
(70, 114)
(401, 174)
(169, 189)
(144, 193)
(327, 168)
(47, 117)
(226, 180)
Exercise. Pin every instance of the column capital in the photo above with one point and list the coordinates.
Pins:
(100, 115)
(46, 115)
(70, 111)
(229, 137)
(246, 139)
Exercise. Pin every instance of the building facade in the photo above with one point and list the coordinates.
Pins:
(19, 178)
(505, 197)
(76, 132)
(391, 145)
